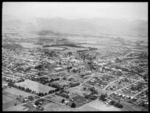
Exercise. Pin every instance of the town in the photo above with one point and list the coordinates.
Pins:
(60, 75)
(75, 56)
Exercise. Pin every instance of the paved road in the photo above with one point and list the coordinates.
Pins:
(91, 77)
(140, 92)
(127, 86)
(112, 82)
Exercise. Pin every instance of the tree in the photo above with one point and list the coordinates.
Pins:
(19, 87)
(42, 94)
(36, 102)
(84, 88)
(50, 92)
(117, 60)
(45, 94)
(30, 90)
(57, 89)
(69, 53)
(73, 105)
(10, 84)
(92, 97)
(39, 94)
(69, 68)
(103, 97)
(94, 90)
(31, 98)
(86, 96)
(62, 100)
(27, 89)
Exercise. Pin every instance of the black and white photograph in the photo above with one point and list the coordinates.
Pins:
(75, 56)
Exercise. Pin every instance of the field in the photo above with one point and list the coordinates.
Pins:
(9, 101)
(4, 82)
(55, 48)
(102, 107)
(87, 108)
(55, 98)
(29, 45)
(15, 91)
(17, 108)
(56, 107)
(77, 90)
(35, 86)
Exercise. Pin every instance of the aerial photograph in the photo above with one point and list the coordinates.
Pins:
(75, 56)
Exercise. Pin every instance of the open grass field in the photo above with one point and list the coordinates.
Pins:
(55, 48)
(17, 108)
(86, 108)
(4, 82)
(29, 45)
(102, 106)
(15, 91)
(35, 86)
(77, 90)
(7, 99)
(9, 102)
(56, 107)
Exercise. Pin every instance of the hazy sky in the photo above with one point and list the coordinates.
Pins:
(74, 10)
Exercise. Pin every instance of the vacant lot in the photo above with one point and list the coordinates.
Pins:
(35, 86)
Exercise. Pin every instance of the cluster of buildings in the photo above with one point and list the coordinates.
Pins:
(64, 77)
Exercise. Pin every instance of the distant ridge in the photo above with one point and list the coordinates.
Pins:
(94, 26)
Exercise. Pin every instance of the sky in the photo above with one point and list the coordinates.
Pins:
(74, 10)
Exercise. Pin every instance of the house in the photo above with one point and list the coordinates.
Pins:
(58, 69)
(4, 85)
(60, 83)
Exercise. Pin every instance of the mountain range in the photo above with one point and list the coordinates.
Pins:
(93, 26)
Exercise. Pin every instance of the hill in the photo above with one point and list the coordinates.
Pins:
(94, 26)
